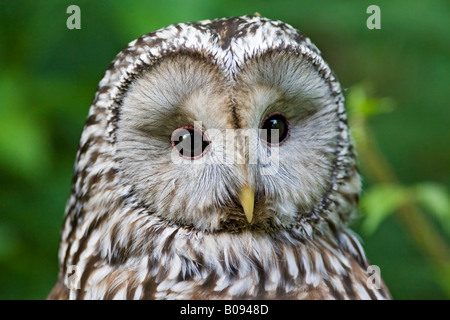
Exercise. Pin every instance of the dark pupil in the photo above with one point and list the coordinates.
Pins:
(275, 122)
(190, 143)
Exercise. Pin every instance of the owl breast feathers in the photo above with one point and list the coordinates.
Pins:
(215, 163)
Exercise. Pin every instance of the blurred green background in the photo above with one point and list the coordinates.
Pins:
(49, 74)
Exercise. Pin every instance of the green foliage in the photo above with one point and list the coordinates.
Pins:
(435, 198)
(23, 141)
(382, 200)
(8, 242)
(387, 196)
(360, 102)
(378, 202)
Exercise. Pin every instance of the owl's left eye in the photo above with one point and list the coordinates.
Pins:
(275, 121)
(190, 142)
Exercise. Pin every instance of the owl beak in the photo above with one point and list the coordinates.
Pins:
(247, 198)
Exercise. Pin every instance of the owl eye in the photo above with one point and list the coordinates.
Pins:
(275, 121)
(189, 142)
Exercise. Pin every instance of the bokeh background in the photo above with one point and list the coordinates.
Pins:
(396, 81)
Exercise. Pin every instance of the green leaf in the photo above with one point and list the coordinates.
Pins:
(435, 198)
(378, 203)
(361, 103)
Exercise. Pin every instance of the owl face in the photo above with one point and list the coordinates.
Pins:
(261, 126)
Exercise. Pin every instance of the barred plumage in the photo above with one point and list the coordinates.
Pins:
(139, 226)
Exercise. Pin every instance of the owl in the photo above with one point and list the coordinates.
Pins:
(216, 163)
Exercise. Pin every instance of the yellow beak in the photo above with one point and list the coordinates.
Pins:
(247, 198)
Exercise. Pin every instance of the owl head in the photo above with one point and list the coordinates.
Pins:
(225, 125)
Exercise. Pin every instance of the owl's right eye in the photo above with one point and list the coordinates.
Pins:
(190, 142)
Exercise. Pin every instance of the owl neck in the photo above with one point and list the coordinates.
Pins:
(190, 253)
(247, 264)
